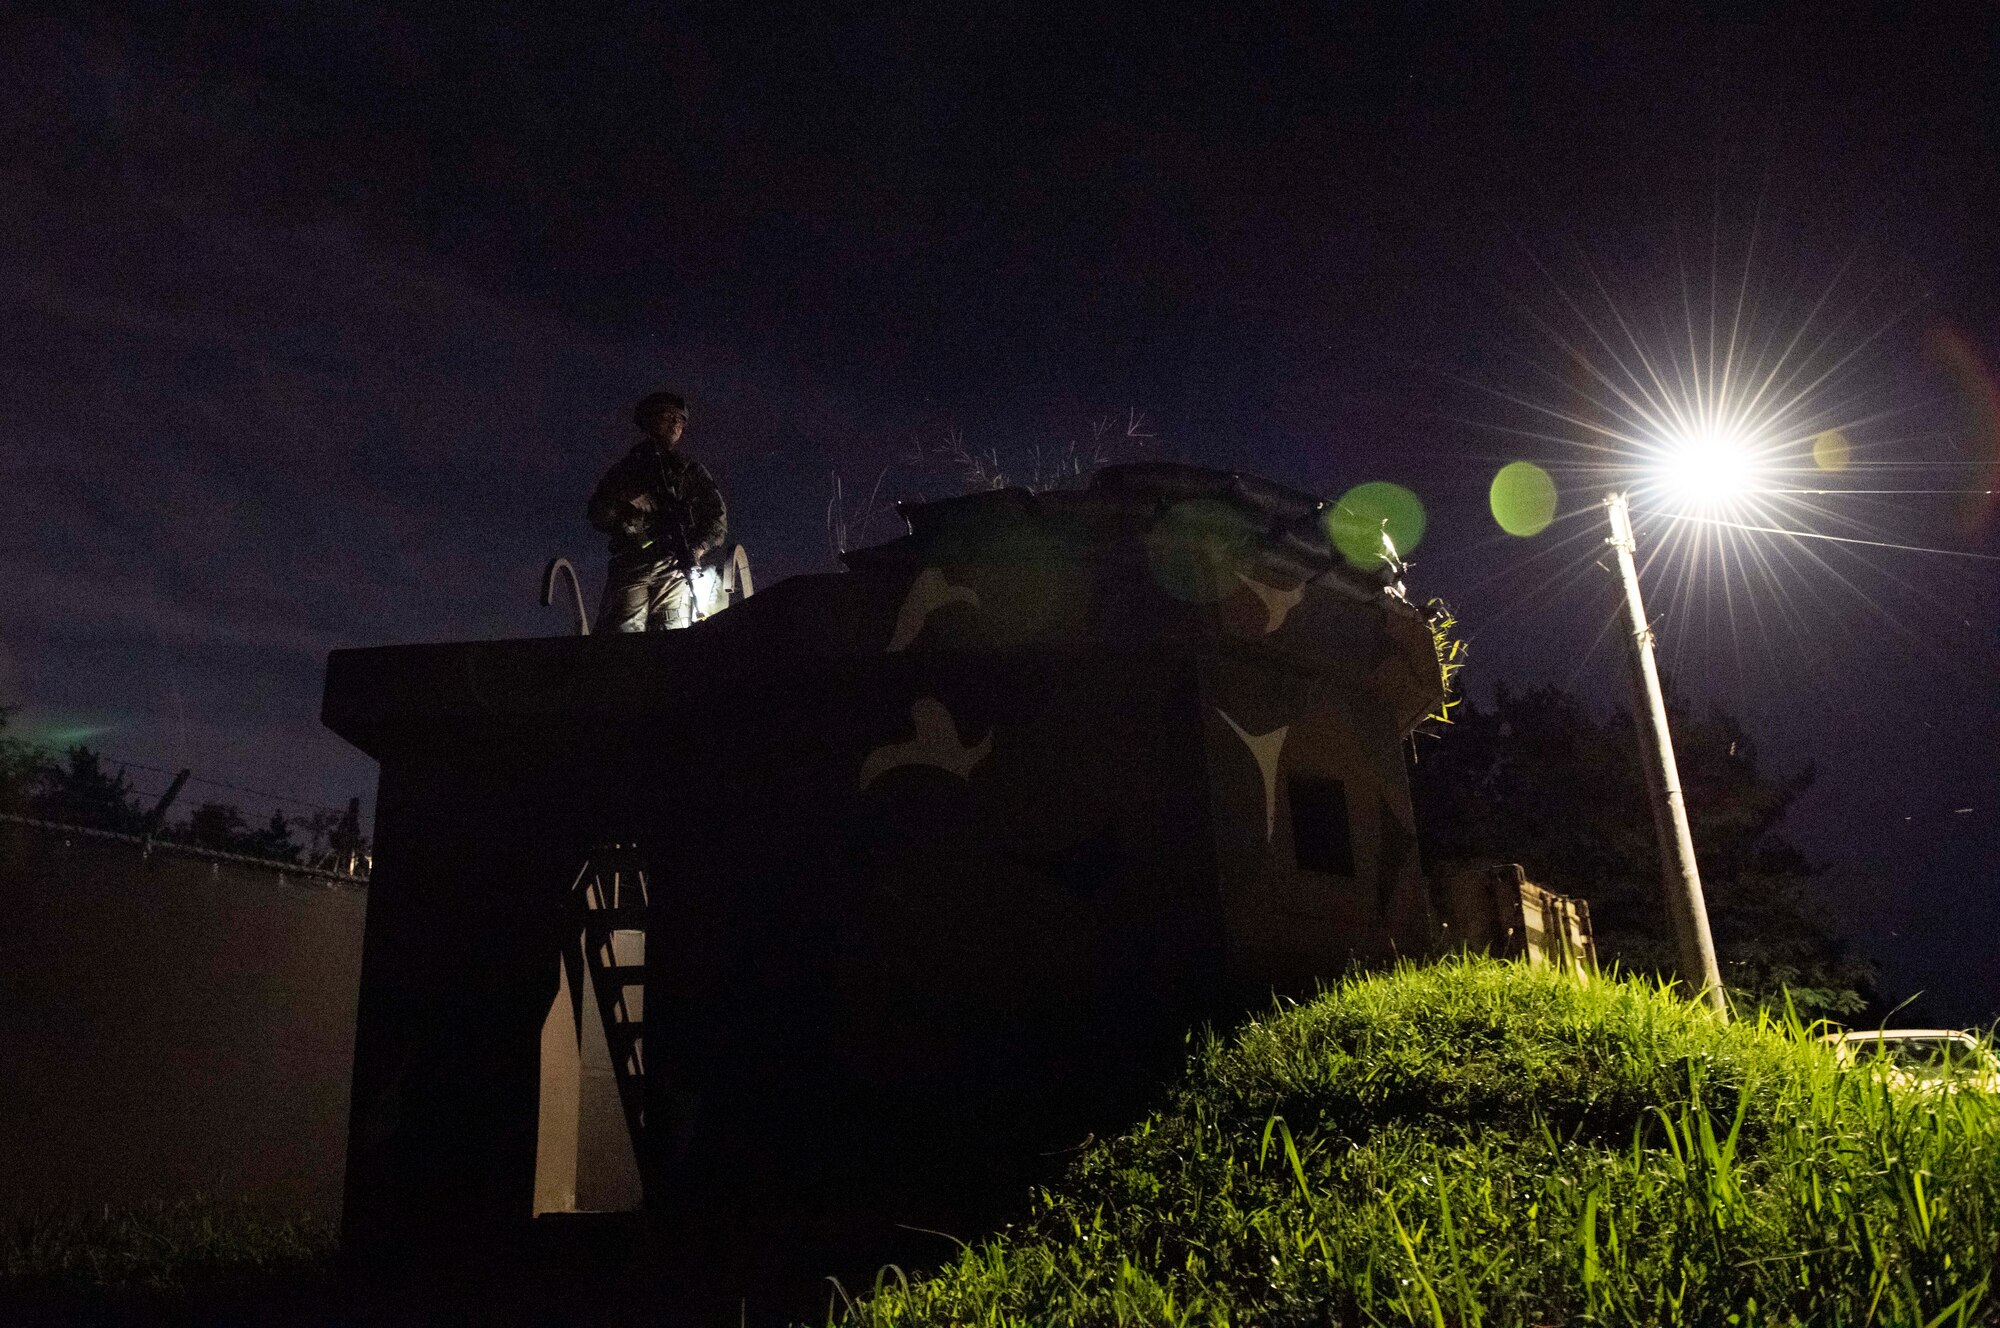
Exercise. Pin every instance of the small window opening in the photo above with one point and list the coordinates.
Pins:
(1321, 839)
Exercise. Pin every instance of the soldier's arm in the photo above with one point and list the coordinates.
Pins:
(612, 508)
(710, 512)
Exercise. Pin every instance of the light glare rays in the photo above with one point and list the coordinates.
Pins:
(1723, 584)
(1838, 539)
(1734, 389)
(1754, 422)
(1525, 578)
(1708, 468)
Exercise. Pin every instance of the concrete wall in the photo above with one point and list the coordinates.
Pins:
(583, 1150)
(170, 1024)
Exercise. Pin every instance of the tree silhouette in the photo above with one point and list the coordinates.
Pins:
(216, 825)
(274, 841)
(1544, 780)
(79, 791)
(220, 826)
(20, 767)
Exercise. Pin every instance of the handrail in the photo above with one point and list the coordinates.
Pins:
(736, 573)
(576, 589)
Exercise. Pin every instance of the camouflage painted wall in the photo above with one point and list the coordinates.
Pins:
(955, 846)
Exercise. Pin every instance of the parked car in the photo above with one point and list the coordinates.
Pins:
(1929, 1059)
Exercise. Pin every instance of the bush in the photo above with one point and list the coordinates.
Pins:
(1482, 1143)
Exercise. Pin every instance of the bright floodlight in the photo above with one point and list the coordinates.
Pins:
(1708, 467)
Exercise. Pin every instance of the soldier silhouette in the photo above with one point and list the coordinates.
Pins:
(663, 512)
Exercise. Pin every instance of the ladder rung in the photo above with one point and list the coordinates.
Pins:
(612, 894)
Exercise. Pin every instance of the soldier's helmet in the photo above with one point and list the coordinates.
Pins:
(655, 404)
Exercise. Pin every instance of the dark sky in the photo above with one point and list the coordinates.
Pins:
(320, 320)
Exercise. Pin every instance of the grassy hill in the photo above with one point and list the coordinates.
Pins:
(1480, 1143)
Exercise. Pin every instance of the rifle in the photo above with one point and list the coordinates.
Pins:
(678, 542)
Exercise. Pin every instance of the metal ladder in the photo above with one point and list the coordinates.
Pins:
(610, 896)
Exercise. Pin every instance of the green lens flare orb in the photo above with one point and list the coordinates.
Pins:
(1831, 451)
(1365, 513)
(1523, 498)
(1196, 549)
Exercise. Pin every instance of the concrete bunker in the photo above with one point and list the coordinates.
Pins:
(943, 855)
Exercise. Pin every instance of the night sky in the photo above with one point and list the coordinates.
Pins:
(321, 320)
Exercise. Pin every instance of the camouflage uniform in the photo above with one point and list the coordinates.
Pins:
(647, 588)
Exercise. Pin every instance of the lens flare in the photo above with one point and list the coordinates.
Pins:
(1523, 499)
(1979, 397)
(1832, 452)
(1366, 514)
(59, 732)
(1196, 548)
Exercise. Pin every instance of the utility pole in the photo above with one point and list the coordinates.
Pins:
(1679, 877)
(155, 818)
